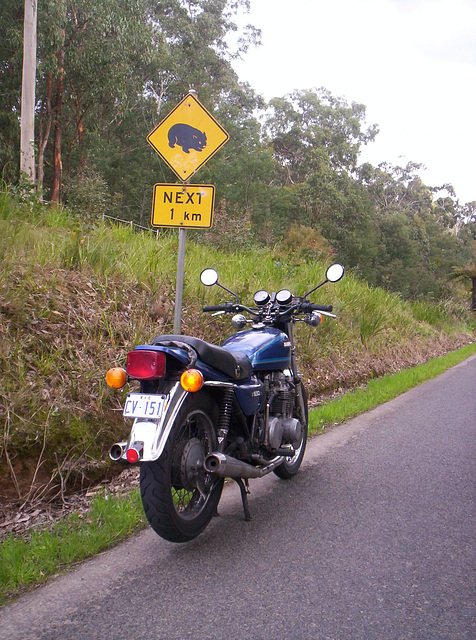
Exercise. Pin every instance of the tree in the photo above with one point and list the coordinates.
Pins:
(468, 272)
(27, 137)
(102, 62)
(418, 239)
(316, 139)
(176, 66)
(308, 128)
(11, 47)
(177, 44)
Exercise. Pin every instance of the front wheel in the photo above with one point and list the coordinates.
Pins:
(178, 496)
(290, 466)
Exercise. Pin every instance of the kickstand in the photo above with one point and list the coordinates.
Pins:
(244, 488)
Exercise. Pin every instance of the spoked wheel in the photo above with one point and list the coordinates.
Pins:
(290, 466)
(178, 495)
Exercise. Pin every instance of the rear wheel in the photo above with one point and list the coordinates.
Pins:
(290, 466)
(178, 496)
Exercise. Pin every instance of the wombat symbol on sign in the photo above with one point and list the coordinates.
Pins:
(187, 137)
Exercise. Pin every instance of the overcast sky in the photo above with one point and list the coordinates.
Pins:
(411, 62)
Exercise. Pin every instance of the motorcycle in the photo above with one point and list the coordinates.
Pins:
(204, 413)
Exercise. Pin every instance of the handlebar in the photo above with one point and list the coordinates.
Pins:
(216, 307)
(230, 307)
(280, 313)
(307, 307)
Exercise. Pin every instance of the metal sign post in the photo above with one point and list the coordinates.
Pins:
(185, 139)
(180, 279)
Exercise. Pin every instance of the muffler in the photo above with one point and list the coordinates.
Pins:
(227, 467)
(117, 451)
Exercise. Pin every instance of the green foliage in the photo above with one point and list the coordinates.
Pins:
(7, 207)
(27, 562)
(232, 228)
(382, 390)
(76, 296)
(308, 128)
(87, 193)
(379, 312)
(440, 314)
(416, 247)
(109, 72)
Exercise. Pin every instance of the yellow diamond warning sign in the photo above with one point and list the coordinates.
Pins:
(188, 206)
(188, 137)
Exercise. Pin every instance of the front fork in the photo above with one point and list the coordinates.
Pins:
(297, 378)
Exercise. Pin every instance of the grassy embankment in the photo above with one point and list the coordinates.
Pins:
(74, 298)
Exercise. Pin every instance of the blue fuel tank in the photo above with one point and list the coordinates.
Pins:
(268, 349)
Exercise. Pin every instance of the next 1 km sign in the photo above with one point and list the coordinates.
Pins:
(189, 206)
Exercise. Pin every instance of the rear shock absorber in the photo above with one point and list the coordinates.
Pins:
(225, 417)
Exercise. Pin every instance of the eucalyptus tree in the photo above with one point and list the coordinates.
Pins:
(196, 36)
(88, 57)
(187, 47)
(194, 51)
(316, 139)
(309, 128)
(419, 239)
(105, 52)
(107, 69)
(11, 47)
(27, 126)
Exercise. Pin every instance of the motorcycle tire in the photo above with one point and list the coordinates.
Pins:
(180, 498)
(290, 466)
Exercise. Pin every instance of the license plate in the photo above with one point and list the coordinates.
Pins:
(139, 405)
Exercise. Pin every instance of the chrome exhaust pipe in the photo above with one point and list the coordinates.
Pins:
(227, 467)
(117, 451)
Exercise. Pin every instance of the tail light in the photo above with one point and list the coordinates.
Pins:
(132, 455)
(145, 365)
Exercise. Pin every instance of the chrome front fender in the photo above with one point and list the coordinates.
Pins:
(149, 436)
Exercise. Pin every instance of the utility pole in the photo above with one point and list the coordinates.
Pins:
(27, 127)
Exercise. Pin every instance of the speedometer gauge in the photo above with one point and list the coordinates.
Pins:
(284, 297)
(261, 297)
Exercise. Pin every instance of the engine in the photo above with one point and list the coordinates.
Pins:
(280, 427)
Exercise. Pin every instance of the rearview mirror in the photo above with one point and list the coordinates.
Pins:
(209, 277)
(334, 273)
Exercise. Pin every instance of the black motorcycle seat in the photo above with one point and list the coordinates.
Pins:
(235, 365)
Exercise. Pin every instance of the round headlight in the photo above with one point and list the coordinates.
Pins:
(238, 321)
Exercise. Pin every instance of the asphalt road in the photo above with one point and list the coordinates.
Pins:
(374, 539)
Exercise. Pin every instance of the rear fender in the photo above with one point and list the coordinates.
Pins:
(150, 436)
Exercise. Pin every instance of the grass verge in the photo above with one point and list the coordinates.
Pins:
(24, 563)
(28, 562)
(381, 390)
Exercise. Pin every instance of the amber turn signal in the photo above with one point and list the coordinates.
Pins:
(191, 380)
(116, 378)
